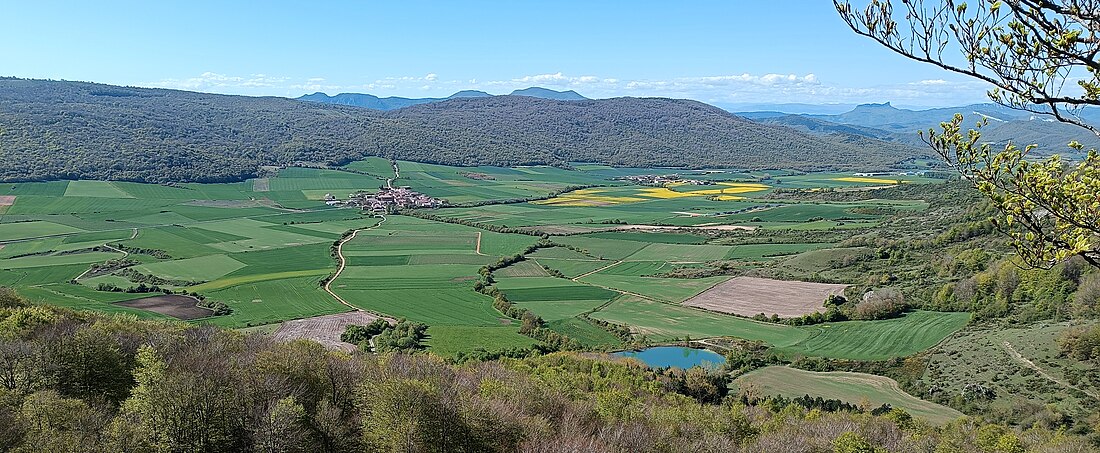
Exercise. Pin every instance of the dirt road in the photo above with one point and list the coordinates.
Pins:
(344, 263)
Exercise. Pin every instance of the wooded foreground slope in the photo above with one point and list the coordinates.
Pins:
(77, 130)
(78, 381)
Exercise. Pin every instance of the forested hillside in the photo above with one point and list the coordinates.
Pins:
(76, 130)
(622, 132)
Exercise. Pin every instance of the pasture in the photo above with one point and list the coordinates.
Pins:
(33, 229)
(854, 388)
(1023, 365)
(449, 340)
(876, 340)
(571, 267)
(856, 340)
(203, 268)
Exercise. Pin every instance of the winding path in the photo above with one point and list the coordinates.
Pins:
(109, 246)
(1029, 364)
(344, 263)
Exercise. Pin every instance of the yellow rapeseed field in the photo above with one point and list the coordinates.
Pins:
(586, 197)
(662, 192)
(730, 188)
(738, 187)
(592, 197)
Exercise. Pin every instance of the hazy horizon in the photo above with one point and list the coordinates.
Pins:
(712, 52)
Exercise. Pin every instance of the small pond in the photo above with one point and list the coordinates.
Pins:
(676, 356)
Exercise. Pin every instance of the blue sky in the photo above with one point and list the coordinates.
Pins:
(722, 52)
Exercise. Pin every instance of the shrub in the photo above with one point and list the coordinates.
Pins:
(9, 298)
(879, 304)
(1081, 344)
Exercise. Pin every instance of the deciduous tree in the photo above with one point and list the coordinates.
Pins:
(1037, 55)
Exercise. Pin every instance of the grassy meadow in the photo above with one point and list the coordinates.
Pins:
(855, 388)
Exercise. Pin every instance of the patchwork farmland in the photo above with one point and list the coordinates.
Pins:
(611, 254)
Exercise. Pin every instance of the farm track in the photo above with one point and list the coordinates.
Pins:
(344, 263)
(1012, 352)
(577, 280)
(609, 266)
(123, 252)
(477, 249)
(706, 342)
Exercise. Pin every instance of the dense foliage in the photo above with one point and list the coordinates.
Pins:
(403, 336)
(1048, 208)
(1029, 52)
(75, 130)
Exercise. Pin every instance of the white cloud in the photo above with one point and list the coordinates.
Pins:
(556, 78)
(720, 88)
(212, 80)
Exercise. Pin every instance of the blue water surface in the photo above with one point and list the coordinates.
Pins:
(675, 356)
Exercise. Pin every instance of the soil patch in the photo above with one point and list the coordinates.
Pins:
(174, 305)
(7, 200)
(748, 296)
(324, 329)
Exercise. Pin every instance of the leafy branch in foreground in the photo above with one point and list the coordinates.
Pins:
(1050, 208)
(1029, 50)
(1039, 56)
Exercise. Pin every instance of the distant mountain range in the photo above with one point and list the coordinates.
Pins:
(785, 108)
(886, 122)
(881, 122)
(76, 130)
(392, 103)
(388, 103)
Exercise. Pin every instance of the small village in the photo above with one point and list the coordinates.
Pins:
(662, 180)
(890, 173)
(386, 199)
